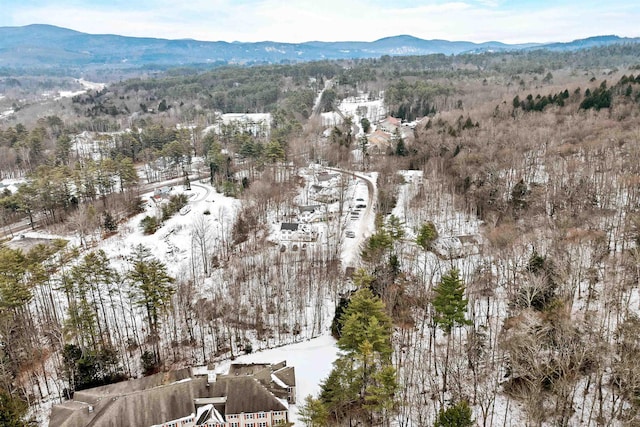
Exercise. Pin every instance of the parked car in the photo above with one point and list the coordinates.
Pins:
(350, 234)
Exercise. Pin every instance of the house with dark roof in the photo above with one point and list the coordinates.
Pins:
(245, 402)
(289, 226)
(289, 230)
(164, 396)
(278, 378)
(250, 395)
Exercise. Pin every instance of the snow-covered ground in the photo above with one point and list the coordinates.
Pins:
(363, 225)
(69, 93)
(172, 243)
(254, 123)
(91, 85)
(11, 184)
(87, 85)
(362, 106)
(6, 113)
(358, 108)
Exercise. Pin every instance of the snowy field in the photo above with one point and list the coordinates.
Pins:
(254, 123)
(6, 113)
(357, 107)
(87, 85)
(312, 360)
(172, 243)
(11, 184)
(362, 106)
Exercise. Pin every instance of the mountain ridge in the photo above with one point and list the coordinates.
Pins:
(48, 46)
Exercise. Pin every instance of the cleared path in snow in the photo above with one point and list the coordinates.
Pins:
(366, 225)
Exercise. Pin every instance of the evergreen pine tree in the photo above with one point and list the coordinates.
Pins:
(450, 307)
(365, 319)
(313, 412)
(152, 288)
(458, 415)
(449, 303)
(12, 410)
(401, 148)
(362, 383)
(426, 236)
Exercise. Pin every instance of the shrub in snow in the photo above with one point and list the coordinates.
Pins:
(149, 224)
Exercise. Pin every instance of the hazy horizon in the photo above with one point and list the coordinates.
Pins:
(513, 22)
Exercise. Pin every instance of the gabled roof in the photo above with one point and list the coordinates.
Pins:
(276, 377)
(167, 395)
(247, 368)
(287, 375)
(392, 121)
(379, 139)
(244, 394)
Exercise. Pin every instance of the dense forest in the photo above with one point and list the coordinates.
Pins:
(530, 156)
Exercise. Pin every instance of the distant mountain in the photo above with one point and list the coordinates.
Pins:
(46, 46)
(409, 45)
(590, 42)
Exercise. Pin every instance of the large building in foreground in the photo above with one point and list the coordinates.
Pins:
(250, 395)
(235, 402)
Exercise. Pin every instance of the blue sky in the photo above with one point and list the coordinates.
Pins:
(510, 21)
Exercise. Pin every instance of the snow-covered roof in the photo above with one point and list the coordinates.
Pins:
(278, 382)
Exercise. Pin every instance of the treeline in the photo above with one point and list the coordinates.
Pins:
(48, 308)
(409, 101)
(540, 102)
(53, 193)
(236, 89)
(191, 95)
(596, 98)
(89, 190)
(22, 150)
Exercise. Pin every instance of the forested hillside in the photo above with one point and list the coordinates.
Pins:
(499, 284)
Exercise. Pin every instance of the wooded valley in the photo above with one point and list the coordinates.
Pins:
(501, 287)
